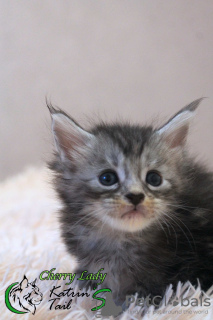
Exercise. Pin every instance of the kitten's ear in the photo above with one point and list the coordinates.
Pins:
(175, 131)
(69, 137)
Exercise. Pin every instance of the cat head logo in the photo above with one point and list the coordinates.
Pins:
(24, 295)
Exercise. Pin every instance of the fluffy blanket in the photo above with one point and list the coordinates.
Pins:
(30, 244)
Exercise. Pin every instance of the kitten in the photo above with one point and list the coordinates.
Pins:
(135, 203)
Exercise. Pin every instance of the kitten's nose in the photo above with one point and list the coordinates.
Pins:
(135, 198)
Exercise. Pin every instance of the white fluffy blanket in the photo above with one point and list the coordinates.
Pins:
(30, 243)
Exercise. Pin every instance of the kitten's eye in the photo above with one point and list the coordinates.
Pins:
(153, 178)
(108, 178)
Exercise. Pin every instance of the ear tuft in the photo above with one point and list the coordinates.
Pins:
(175, 131)
(52, 109)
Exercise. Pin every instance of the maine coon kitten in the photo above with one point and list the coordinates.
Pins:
(135, 203)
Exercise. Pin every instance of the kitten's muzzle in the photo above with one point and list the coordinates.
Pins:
(135, 198)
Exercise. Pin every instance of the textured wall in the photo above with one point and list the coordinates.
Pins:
(130, 59)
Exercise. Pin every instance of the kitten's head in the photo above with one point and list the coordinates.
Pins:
(120, 175)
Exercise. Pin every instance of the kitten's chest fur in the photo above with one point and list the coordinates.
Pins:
(144, 263)
(116, 256)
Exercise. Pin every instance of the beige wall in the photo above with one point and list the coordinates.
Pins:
(133, 59)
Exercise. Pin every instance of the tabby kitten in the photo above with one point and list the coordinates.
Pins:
(134, 203)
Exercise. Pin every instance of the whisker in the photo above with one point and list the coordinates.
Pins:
(170, 225)
(163, 230)
(173, 219)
